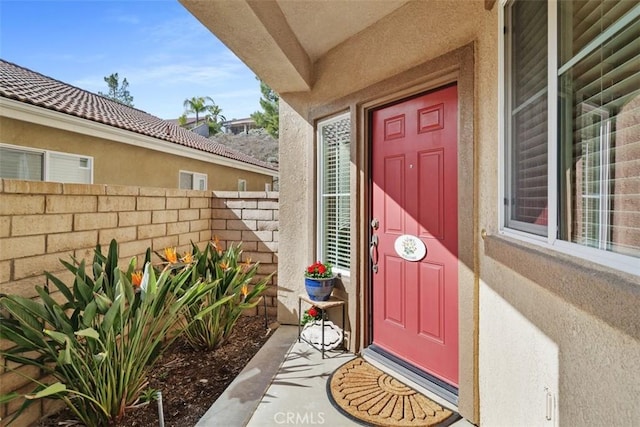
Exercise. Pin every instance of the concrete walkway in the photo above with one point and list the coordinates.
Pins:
(283, 385)
(298, 394)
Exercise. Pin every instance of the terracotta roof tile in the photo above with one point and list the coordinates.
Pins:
(27, 86)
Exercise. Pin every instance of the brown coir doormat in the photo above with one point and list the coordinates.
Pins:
(365, 393)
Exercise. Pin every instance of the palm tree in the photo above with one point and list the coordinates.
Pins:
(214, 118)
(214, 114)
(198, 104)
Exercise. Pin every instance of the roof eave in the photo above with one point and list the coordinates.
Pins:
(39, 115)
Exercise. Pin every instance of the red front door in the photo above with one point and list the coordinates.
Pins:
(415, 180)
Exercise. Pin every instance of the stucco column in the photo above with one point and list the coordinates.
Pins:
(297, 209)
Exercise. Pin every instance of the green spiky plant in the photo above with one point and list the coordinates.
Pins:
(210, 331)
(99, 343)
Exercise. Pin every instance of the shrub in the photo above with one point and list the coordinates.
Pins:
(213, 328)
(102, 340)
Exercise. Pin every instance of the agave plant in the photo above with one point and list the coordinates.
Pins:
(99, 343)
(208, 322)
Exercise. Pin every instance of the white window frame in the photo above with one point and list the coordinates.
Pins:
(320, 206)
(603, 157)
(617, 261)
(196, 177)
(242, 184)
(505, 109)
(46, 160)
(47, 164)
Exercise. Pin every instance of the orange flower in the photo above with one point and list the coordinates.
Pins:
(217, 245)
(223, 265)
(245, 291)
(170, 255)
(247, 265)
(187, 258)
(136, 278)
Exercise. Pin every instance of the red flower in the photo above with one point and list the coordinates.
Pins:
(313, 312)
(318, 270)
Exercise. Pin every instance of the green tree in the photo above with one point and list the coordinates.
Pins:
(205, 105)
(118, 92)
(269, 117)
(214, 118)
(197, 105)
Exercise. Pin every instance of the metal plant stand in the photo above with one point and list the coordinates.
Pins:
(322, 306)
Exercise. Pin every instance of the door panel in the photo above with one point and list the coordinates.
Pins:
(414, 171)
(431, 182)
(431, 301)
(394, 284)
(394, 197)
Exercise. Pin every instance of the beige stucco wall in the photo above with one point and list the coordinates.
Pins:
(354, 76)
(123, 164)
(532, 336)
(545, 336)
(297, 239)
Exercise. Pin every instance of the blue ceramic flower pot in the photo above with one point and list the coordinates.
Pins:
(319, 289)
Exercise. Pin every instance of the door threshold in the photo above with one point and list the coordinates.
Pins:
(414, 377)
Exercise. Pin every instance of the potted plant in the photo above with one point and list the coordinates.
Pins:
(319, 281)
(313, 321)
(311, 315)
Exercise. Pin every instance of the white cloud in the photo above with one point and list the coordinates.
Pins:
(167, 62)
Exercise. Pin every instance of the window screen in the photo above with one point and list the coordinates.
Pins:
(526, 201)
(192, 181)
(186, 181)
(21, 164)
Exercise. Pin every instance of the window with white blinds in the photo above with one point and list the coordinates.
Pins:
(68, 168)
(334, 219)
(21, 164)
(43, 165)
(595, 140)
(192, 181)
(599, 83)
(526, 188)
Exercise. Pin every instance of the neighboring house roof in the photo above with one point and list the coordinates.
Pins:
(190, 121)
(248, 121)
(30, 87)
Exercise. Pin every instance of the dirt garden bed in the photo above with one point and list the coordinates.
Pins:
(190, 381)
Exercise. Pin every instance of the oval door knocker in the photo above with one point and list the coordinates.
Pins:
(410, 247)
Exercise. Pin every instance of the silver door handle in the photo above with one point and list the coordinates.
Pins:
(373, 252)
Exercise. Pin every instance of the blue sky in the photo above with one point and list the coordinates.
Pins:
(164, 52)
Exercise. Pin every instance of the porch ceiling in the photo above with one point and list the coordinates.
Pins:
(280, 40)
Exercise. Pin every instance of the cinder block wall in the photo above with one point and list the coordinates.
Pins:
(251, 218)
(43, 222)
